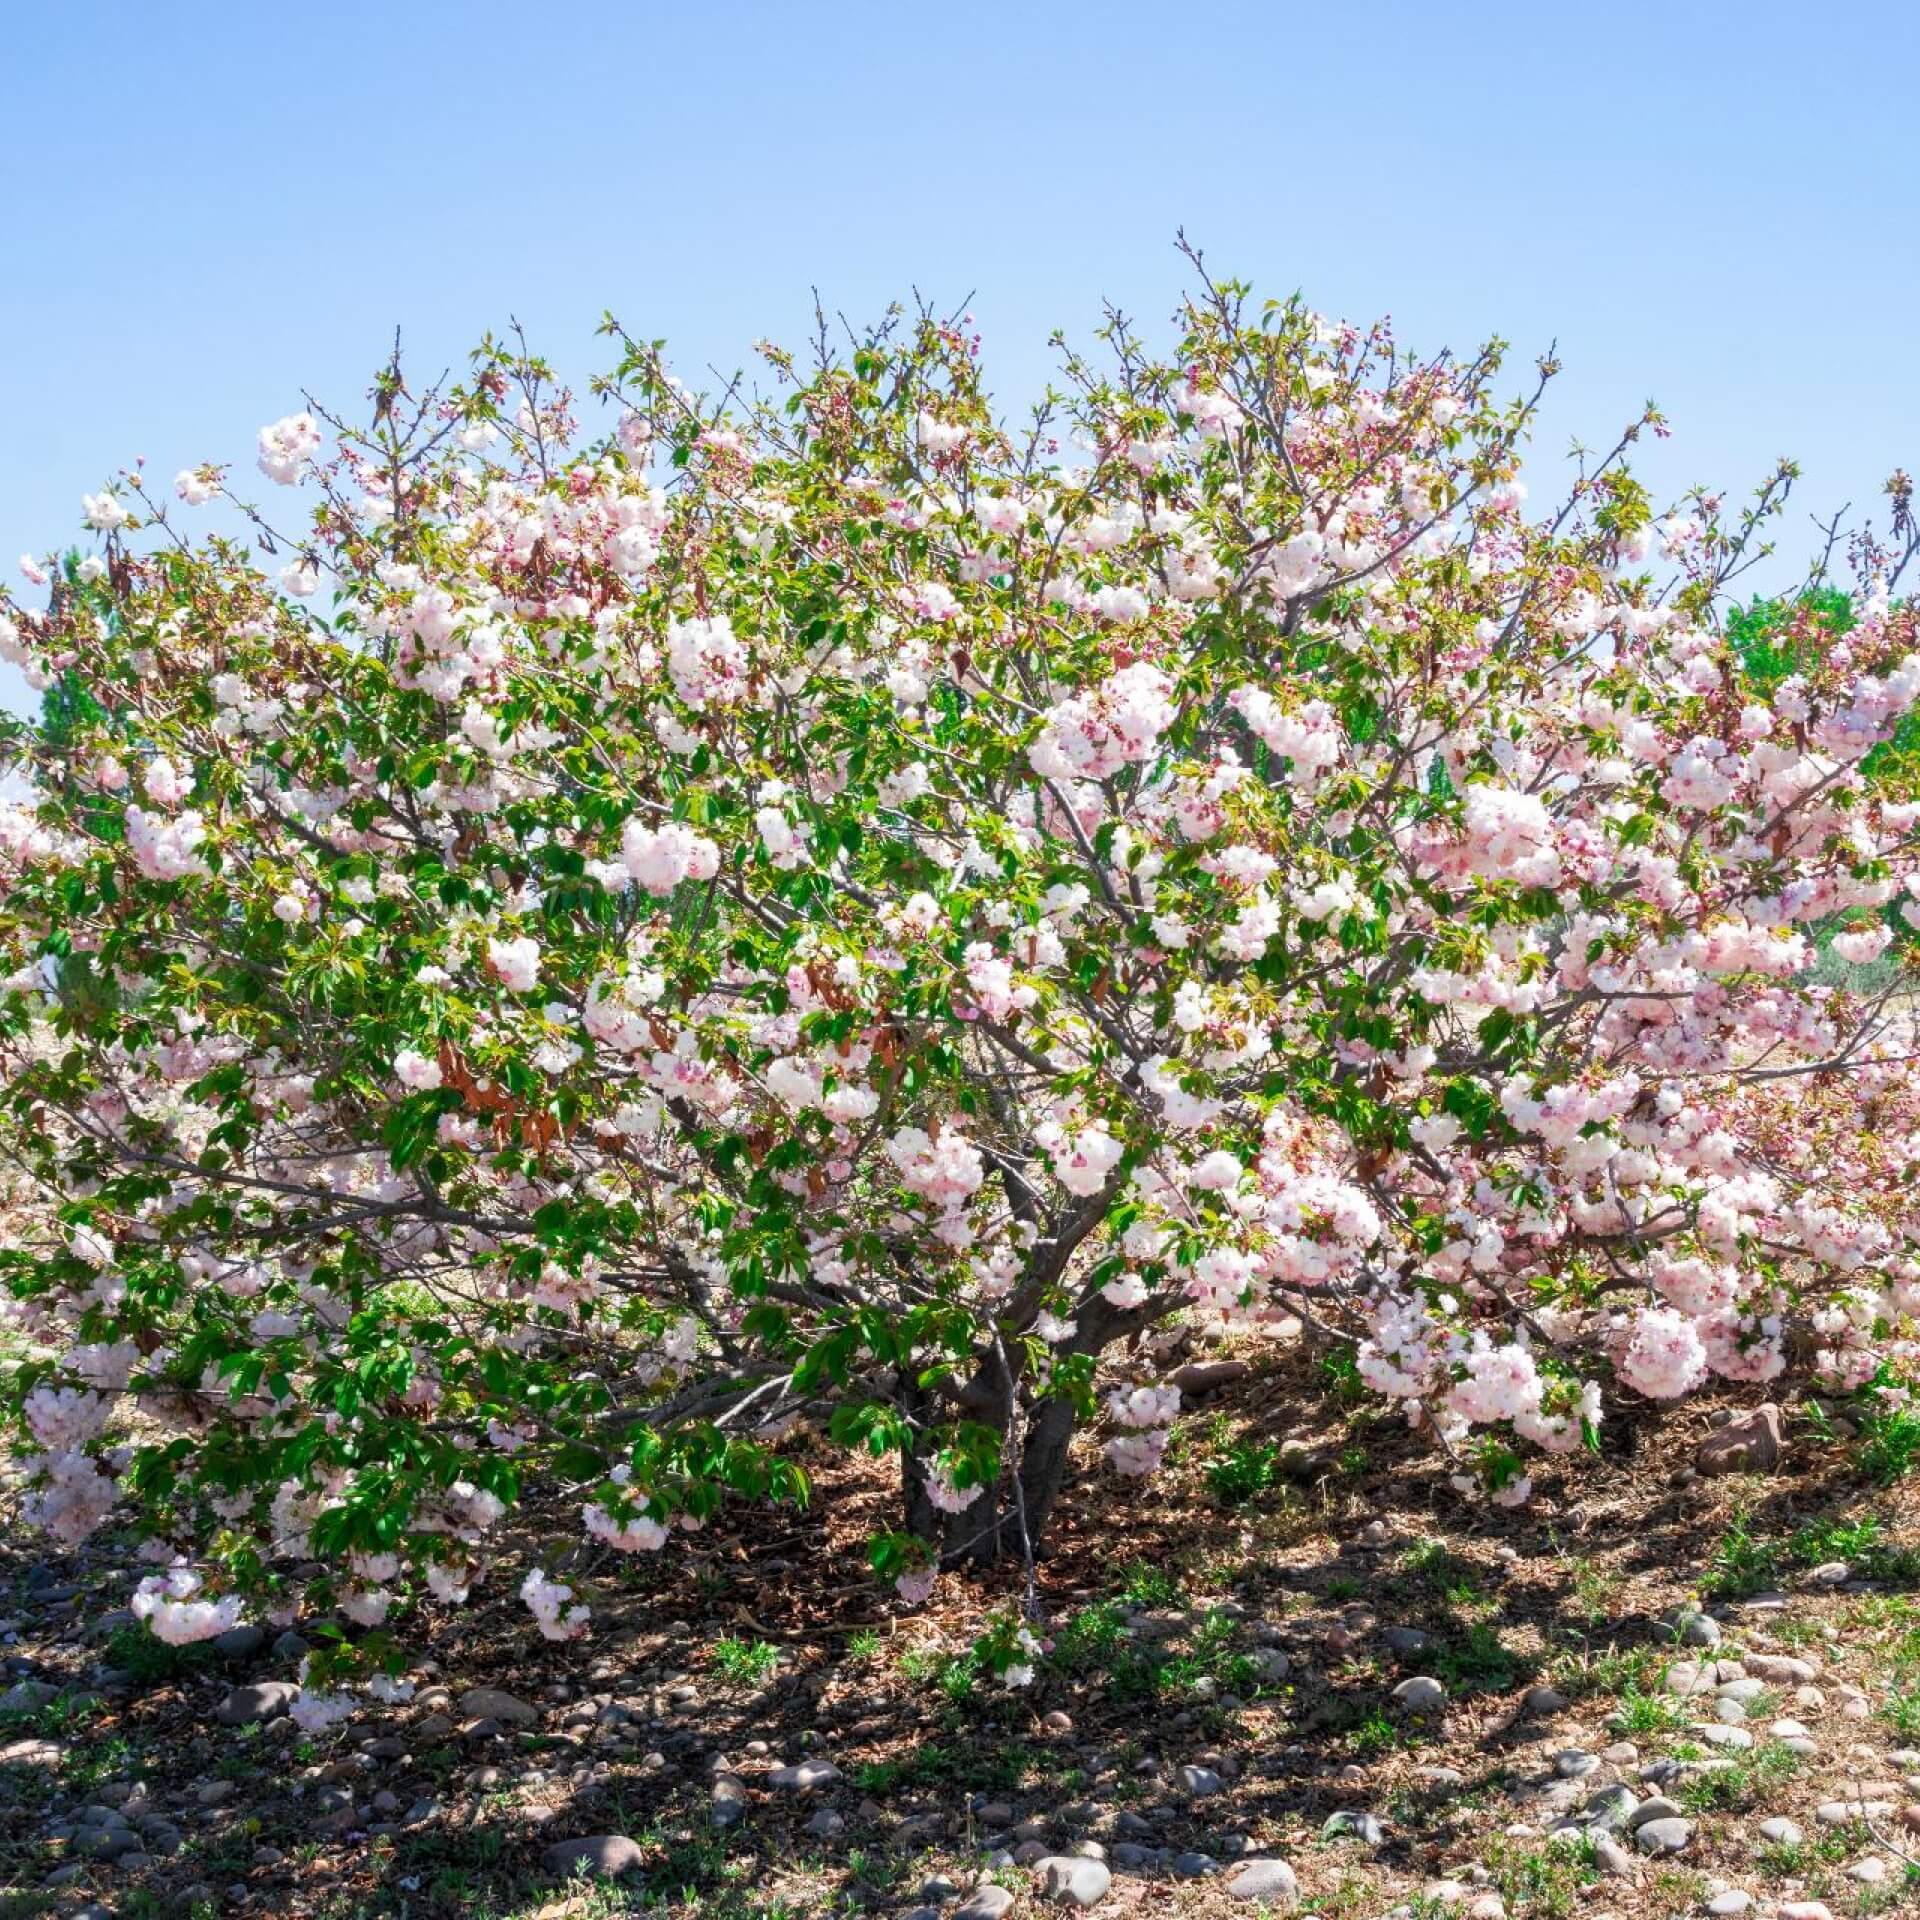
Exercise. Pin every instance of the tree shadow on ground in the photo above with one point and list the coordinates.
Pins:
(1260, 1641)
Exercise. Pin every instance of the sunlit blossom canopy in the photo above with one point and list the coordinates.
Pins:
(592, 947)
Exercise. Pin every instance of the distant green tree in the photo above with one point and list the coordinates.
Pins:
(67, 710)
(1777, 638)
(1773, 639)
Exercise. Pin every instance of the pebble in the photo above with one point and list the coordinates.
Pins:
(805, 1777)
(1611, 1807)
(264, 1700)
(489, 1703)
(1198, 1783)
(1780, 1670)
(104, 1843)
(1200, 1377)
(1351, 1825)
(1073, 1880)
(985, 1902)
(1656, 1808)
(1780, 1833)
(1270, 1880)
(1612, 1857)
(601, 1855)
(1715, 1734)
(729, 1800)
(1662, 1836)
(1421, 1694)
(1734, 1900)
(1575, 1764)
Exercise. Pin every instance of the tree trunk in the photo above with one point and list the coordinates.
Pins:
(1043, 1462)
(992, 1526)
(1001, 1521)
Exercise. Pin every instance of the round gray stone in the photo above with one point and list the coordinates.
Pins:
(805, 1776)
(602, 1856)
(1073, 1880)
(1350, 1824)
(1421, 1694)
(1663, 1836)
(1269, 1880)
(489, 1703)
(264, 1700)
(985, 1902)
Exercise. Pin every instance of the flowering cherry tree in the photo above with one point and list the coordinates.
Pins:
(569, 955)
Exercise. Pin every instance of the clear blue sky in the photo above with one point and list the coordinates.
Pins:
(210, 206)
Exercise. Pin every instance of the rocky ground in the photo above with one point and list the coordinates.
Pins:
(1295, 1673)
